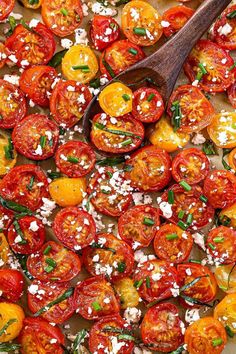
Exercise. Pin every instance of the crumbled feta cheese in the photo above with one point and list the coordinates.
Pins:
(34, 226)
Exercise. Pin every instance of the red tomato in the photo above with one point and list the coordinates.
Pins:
(100, 339)
(115, 143)
(26, 185)
(190, 165)
(148, 169)
(104, 31)
(138, 225)
(221, 243)
(13, 105)
(6, 218)
(26, 235)
(109, 256)
(186, 203)
(37, 335)
(155, 280)
(196, 110)
(36, 137)
(173, 244)
(62, 17)
(219, 76)
(228, 40)
(148, 105)
(161, 328)
(74, 227)
(94, 298)
(220, 188)
(75, 159)
(31, 46)
(54, 262)
(120, 56)
(6, 8)
(204, 290)
(11, 284)
(110, 193)
(176, 17)
(3, 55)
(232, 94)
(36, 83)
(68, 102)
(46, 293)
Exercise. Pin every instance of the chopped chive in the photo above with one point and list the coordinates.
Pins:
(105, 192)
(47, 250)
(72, 159)
(192, 283)
(148, 283)
(8, 150)
(115, 131)
(128, 168)
(64, 12)
(232, 67)
(150, 97)
(109, 174)
(171, 197)
(127, 142)
(213, 247)
(181, 214)
(126, 97)
(78, 340)
(185, 185)
(140, 31)
(171, 236)
(217, 341)
(31, 183)
(195, 261)
(224, 220)
(96, 306)
(203, 198)
(138, 283)
(218, 239)
(112, 25)
(19, 232)
(121, 267)
(54, 175)
(83, 68)
(51, 262)
(48, 269)
(229, 331)
(43, 140)
(108, 68)
(176, 116)
(189, 219)
(133, 51)
(202, 72)
(182, 225)
(231, 14)
(126, 337)
(148, 221)
(222, 287)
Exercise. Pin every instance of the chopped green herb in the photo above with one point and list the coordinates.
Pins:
(181, 214)
(185, 185)
(203, 198)
(43, 140)
(229, 331)
(12, 23)
(72, 159)
(218, 239)
(176, 116)
(140, 31)
(57, 59)
(148, 221)
(126, 97)
(98, 245)
(121, 267)
(192, 283)
(171, 236)
(189, 219)
(209, 148)
(138, 283)
(79, 339)
(224, 163)
(54, 175)
(128, 168)
(111, 161)
(148, 282)
(95, 83)
(64, 12)
(83, 68)
(178, 350)
(19, 232)
(126, 337)
(195, 261)
(217, 341)
(171, 197)
(9, 347)
(232, 67)
(9, 204)
(150, 97)
(96, 306)
(213, 247)
(5, 327)
(108, 68)
(182, 225)
(9, 150)
(115, 131)
(201, 72)
(105, 191)
(47, 250)
(31, 183)
(231, 14)
(133, 51)
(22, 259)
(127, 142)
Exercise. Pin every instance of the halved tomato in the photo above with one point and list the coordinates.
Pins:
(221, 243)
(36, 137)
(116, 135)
(11, 321)
(229, 213)
(8, 155)
(6, 218)
(225, 275)
(148, 105)
(224, 29)
(4, 250)
(68, 102)
(225, 312)
(128, 294)
(6, 8)
(94, 298)
(162, 328)
(3, 55)
(74, 227)
(231, 92)
(222, 129)
(11, 284)
(54, 263)
(104, 30)
(175, 18)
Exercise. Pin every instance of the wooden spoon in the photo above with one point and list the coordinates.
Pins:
(164, 66)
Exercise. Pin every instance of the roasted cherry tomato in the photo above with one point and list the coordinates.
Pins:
(163, 136)
(31, 4)
(54, 263)
(148, 169)
(11, 316)
(172, 244)
(204, 67)
(206, 335)
(26, 235)
(36, 137)
(116, 135)
(109, 256)
(186, 208)
(104, 31)
(225, 312)
(175, 18)
(190, 165)
(11, 284)
(203, 290)
(119, 56)
(155, 280)
(6, 8)
(68, 102)
(102, 340)
(3, 55)
(231, 92)
(62, 17)
(220, 188)
(138, 225)
(195, 109)
(12, 105)
(161, 328)
(74, 227)
(128, 294)
(67, 191)
(26, 185)
(80, 64)
(222, 130)
(31, 46)
(141, 23)
(4, 250)
(40, 336)
(8, 154)
(228, 214)
(148, 105)
(40, 294)
(36, 83)
(226, 277)
(75, 159)
(224, 29)
(94, 298)
(221, 243)
(232, 159)
(109, 191)
(6, 218)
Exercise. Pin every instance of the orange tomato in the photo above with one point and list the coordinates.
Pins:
(11, 319)
(229, 212)
(222, 130)
(67, 191)
(32, 4)
(225, 311)
(129, 296)
(4, 250)
(226, 277)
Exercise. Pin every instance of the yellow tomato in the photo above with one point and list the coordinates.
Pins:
(80, 64)
(116, 99)
(164, 137)
(11, 319)
(229, 212)
(129, 296)
(6, 163)
(4, 250)
(67, 191)
(222, 130)
(141, 23)
(31, 4)
(226, 277)
(225, 311)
